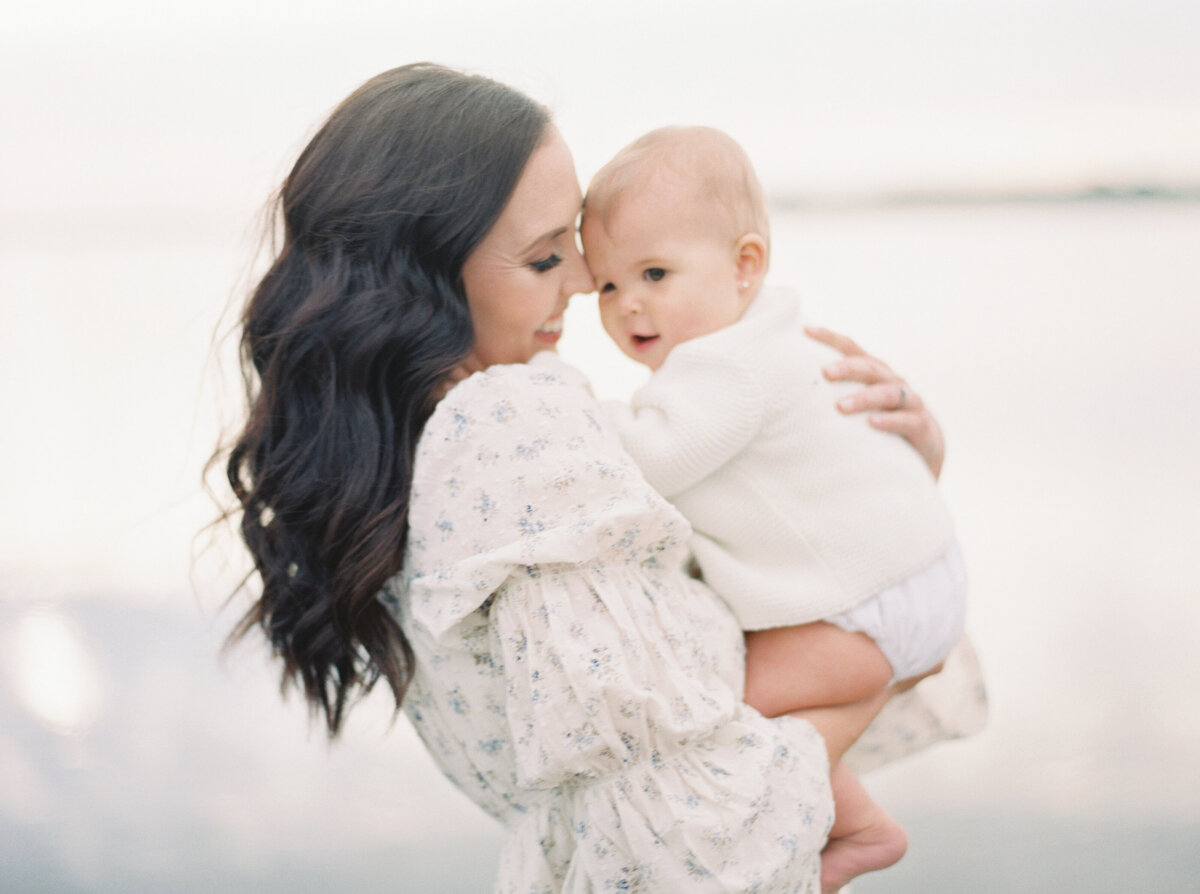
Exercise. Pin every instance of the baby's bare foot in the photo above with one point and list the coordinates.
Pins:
(875, 846)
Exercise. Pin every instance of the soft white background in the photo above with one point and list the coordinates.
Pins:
(1055, 340)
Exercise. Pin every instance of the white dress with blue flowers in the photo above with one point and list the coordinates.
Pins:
(572, 679)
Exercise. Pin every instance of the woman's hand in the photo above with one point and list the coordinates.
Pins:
(903, 411)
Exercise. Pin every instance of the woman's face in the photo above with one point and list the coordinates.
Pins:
(520, 277)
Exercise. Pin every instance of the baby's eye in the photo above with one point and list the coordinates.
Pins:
(654, 274)
(546, 264)
(607, 287)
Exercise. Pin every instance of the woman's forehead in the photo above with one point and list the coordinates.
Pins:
(546, 198)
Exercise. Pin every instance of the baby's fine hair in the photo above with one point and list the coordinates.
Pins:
(704, 159)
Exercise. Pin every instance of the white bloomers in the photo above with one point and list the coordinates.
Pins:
(917, 621)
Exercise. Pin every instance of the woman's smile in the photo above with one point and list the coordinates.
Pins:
(552, 326)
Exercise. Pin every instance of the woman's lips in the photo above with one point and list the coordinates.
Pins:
(550, 331)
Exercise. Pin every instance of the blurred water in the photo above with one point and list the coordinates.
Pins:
(1056, 343)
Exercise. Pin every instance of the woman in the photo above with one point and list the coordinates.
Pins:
(425, 504)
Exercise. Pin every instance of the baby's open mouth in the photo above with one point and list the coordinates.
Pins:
(642, 340)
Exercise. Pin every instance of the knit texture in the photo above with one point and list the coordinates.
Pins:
(799, 511)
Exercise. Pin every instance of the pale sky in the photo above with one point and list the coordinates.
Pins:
(137, 104)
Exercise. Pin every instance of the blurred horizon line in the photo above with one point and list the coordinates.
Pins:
(199, 218)
(1134, 191)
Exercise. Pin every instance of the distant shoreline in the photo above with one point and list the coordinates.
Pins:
(893, 199)
(169, 223)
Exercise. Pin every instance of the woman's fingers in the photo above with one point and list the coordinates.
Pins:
(883, 396)
(843, 343)
(920, 429)
(859, 368)
(896, 407)
(856, 365)
(902, 422)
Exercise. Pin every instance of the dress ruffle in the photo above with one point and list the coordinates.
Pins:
(743, 810)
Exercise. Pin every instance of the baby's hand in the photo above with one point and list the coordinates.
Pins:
(903, 411)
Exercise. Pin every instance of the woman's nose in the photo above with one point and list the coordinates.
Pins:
(579, 278)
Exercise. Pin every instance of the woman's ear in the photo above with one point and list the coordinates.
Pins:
(750, 257)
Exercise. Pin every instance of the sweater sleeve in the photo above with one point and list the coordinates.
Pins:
(697, 412)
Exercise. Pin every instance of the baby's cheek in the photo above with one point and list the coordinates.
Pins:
(608, 315)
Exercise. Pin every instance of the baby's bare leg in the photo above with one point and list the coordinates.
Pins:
(863, 839)
(811, 665)
(841, 725)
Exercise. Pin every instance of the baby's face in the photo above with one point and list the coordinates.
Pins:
(663, 276)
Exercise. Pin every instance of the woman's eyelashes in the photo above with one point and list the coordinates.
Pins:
(546, 264)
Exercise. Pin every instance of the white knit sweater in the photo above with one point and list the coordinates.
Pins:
(799, 511)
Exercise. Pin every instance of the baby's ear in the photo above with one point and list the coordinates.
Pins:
(750, 257)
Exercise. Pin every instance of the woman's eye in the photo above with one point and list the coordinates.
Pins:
(546, 264)
(654, 274)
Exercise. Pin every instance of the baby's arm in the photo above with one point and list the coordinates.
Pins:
(696, 413)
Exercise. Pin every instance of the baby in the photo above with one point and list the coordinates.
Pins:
(828, 539)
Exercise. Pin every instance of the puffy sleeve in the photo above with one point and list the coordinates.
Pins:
(541, 513)
(697, 412)
(546, 540)
(525, 475)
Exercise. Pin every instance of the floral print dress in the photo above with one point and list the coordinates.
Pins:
(572, 679)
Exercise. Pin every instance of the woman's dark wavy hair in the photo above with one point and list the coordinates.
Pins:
(344, 345)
